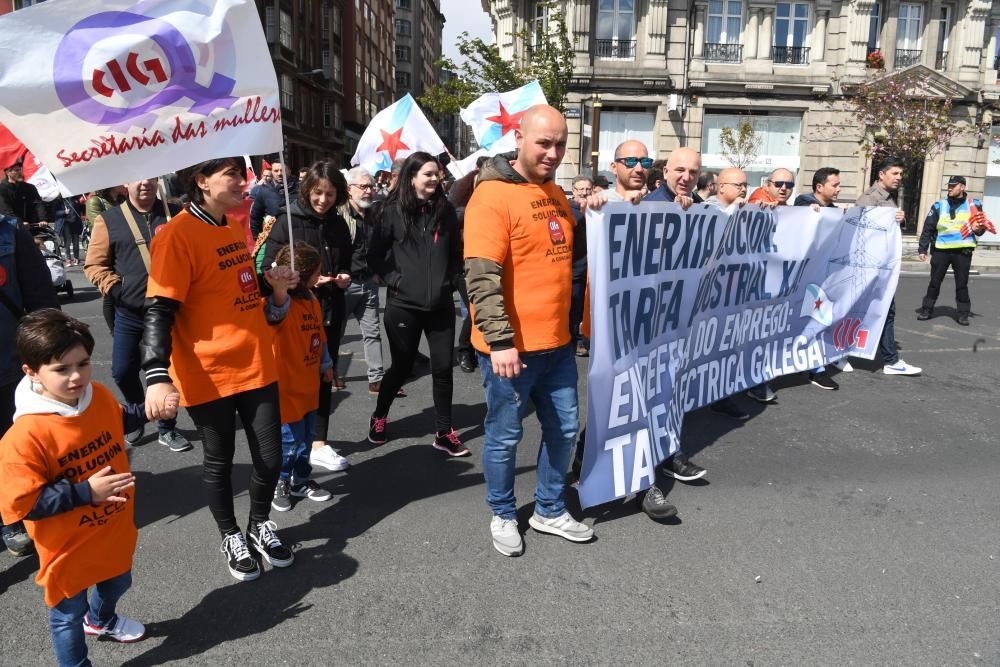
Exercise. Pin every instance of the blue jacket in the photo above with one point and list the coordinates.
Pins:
(664, 193)
(269, 199)
(27, 285)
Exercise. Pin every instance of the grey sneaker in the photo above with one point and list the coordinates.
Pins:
(133, 437)
(175, 441)
(563, 525)
(17, 540)
(506, 538)
(282, 501)
(762, 393)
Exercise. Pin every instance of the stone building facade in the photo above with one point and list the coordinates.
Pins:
(675, 72)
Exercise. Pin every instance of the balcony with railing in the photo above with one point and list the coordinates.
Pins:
(941, 61)
(614, 49)
(723, 53)
(907, 57)
(790, 55)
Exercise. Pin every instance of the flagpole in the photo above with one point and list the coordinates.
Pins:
(162, 192)
(288, 209)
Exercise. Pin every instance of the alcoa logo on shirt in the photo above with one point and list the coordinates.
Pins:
(247, 282)
(556, 232)
(314, 344)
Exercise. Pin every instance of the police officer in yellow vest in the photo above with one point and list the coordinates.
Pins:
(951, 236)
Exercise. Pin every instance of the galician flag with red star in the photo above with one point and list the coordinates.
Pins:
(495, 115)
(396, 131)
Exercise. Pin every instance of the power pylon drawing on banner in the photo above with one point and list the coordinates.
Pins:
(870, 243)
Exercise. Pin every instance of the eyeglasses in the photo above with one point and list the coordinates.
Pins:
(366, 186)
(741, 186)
(630, 162)
(783, 184)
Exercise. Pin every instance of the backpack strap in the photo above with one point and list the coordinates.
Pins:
(140, 242)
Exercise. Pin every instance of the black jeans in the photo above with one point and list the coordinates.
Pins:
(465, 333)
(576, 306)
(216, 423)
(403, 327)
(125, 368)
(887, 342)
(334, 329)
(960, 262)
(108, 309)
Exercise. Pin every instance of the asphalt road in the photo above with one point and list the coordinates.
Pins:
(855, 527)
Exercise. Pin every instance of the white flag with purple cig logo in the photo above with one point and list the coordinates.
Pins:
(107, 91)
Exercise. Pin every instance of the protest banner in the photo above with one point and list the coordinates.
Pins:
(103, 91)
(691, 306)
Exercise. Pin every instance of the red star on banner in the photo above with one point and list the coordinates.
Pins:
(819, 302)
(392, 142)
(506, 121)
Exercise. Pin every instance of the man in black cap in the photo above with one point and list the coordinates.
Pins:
(950, 232)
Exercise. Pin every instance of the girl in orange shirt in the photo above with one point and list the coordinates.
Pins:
(205, 332)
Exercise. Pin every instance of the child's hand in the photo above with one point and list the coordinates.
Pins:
(107, 487)
(170, 404)
(343, 280)
(281, 279)
(328, 375)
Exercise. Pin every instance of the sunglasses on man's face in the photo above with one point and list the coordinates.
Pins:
(630, 162)
(788, 185)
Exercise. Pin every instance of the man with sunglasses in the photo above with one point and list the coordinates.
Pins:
(776, 190)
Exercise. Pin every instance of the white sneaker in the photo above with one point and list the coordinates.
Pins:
(900, 368)
(843, 365)
(327, 457)
(563, 525)
(506, 538)
(124, 629)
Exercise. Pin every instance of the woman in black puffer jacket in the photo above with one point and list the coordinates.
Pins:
(416, 249)
(315, 221)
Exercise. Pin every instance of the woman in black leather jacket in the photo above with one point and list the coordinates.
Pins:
(315, 221)
(416, 250)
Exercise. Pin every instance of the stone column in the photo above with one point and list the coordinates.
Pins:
(932, 31)
(657, 27)
(699, 32)
(751, 33)
(819, 36)
(858, 30)
(578, 22)
(765, 37)
(889, 43)
(972, 34)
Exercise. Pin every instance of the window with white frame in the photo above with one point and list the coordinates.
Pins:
(287, 92)
(725, 21)
(875, 28)
(539, 25)
(285, 29)
(402, 26)
(909, 27)
(791, 24)
(616, 29)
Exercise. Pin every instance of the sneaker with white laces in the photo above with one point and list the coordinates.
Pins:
(311, 490)
(506, 537)
(823, 381)
(329, 458)
(175, 441)
(563, 525)
(762, 393)
(282, 501)
(242, 565)
(901, 368)
(265, 541)
(448, 442)
(121, 629)
(844, 365)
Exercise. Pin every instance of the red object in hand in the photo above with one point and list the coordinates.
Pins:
(977, 217)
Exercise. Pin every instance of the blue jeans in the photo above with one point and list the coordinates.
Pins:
(887, 343)
(125, 361)
(549, 380)
(296, 441)
(66, 618)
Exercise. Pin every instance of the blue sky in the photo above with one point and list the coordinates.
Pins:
(463, 15)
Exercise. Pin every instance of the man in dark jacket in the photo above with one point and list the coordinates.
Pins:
(825, 189)
(118, 265)
(268, 199)
(25, 285)
(21, 199)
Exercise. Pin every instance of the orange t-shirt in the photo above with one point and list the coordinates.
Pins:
(761, 196)
(298, 350)
(528, 229)
(86, 545)
(221, 340)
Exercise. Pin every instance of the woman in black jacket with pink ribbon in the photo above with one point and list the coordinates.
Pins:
(416, 250)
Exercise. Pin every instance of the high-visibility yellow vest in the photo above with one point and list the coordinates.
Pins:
(949, 229)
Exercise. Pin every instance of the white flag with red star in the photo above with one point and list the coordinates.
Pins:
(396, 131)
(495, 115)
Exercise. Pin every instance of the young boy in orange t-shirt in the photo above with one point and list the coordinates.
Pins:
(302, 357)
(66, 475)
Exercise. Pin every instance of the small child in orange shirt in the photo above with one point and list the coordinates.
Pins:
(302, 357)
(66, 475)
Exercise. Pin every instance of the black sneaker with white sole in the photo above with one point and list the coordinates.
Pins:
(680, 467)
(311, 490)
(264, 539)
(242, 565)
(133, 437)
(282, 501)
(655, 504)
(824, 381)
